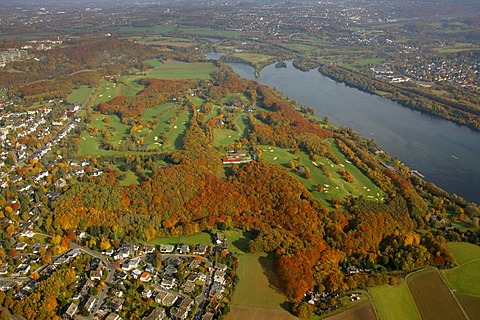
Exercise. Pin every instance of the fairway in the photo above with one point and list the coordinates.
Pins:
(465, 278)
(394, 302)
(334, 187)
(174, 70)
(433, 298)
(257, 286)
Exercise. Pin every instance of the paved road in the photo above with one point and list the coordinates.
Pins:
(110, 273)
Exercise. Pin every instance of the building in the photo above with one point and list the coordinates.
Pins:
(157, 314)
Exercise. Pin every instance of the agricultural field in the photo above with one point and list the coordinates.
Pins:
(471, 305)
(258, 283)
(433, 298)
(174, 70)
(465, 279)
(79, 95)
(394, 302)
(257, 313)
(363, 311)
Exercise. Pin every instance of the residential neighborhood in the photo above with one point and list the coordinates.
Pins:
(177, 285)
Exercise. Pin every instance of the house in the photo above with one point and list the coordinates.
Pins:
(187, 303)
(188, 287)
(131, 264)
(60, 183)
(220, 238)
(113, 316)
(145, 277)
(200, 249)
(184, 249)
(116, 304)
(136, 273)
(147, 293)
(157, 314)
(148, 249)
(96, 274)
(208, 316)
(168, 283)
(166, 248)
(4, 268)
(90, 304)
(219, 276)
(21, 246)
(179, 313)
(166, 298)
(72, 308)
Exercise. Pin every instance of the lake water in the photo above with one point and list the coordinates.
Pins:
(446, 153)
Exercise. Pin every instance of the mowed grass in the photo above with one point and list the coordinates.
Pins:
(108, 89)
(130, 178)
(176, 132)
(79, 95)
(464, 252)
(165, 112)
(258, 283)
(432, 297)
(199, 238)
(237, 239)
(333, 188)
(225, 137)
(394, 302)
(359, 64)
(173, 70)
(464, 279)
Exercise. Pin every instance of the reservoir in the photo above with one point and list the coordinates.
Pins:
(446, 153)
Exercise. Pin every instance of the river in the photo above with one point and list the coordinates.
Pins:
(446, 153)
